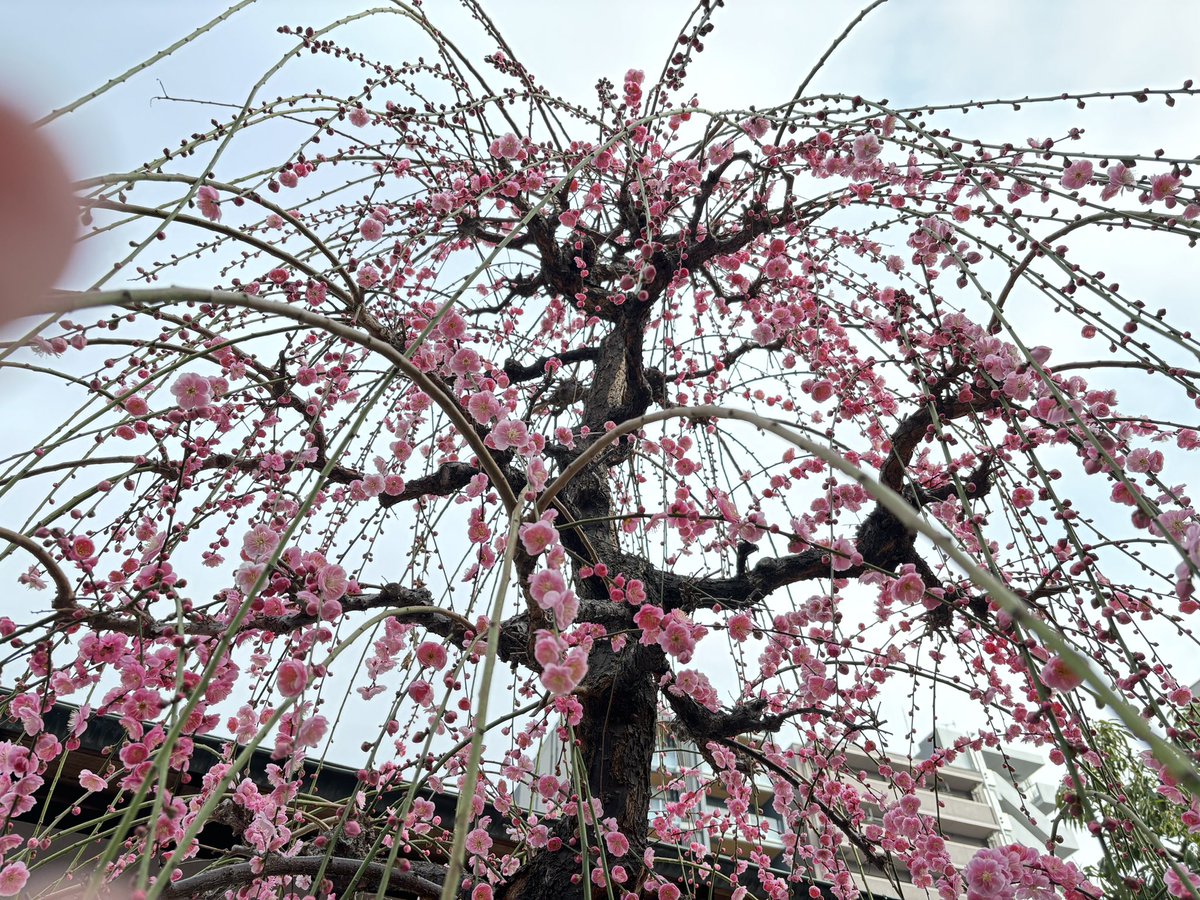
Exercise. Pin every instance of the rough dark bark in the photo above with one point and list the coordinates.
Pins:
(615, 743)
(615, 738)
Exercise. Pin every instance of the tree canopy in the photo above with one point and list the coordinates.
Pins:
(499, 434)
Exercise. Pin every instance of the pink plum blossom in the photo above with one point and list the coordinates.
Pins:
(292, 677)
(1058, 675)
(332, 582)
(192, 391)
(1165, 186)
(846, 555)
(1175, 885)
(740, 627)
(756, 126)
(90, 781)
(208, 203)
(260, 542)
(557, 679)
(1077, 175)
(635, 592)
(478, 842)
(988, 877)
(1120, 178)
(371, 228)
(822, 390)
(677, 640)
(421, 691)
(867, 147)
(247, 575)
(537, 537)
(311, 731)
(566, 607)
(13, 878)
(510, 434)
(909, 588)
(547, 647)
(776, 267)
(545, 581)
(367, 276)
(633, 87)
(507, 146)
(431, 655)
(616, 843)
(483, 407)
(82, 547)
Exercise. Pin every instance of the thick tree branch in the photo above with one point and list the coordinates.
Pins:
(703, 724)
(518, 372)
(976, 486)
(728, 359)
(912, 431)
(414, 604)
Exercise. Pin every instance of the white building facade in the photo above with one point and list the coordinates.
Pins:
(984, 798)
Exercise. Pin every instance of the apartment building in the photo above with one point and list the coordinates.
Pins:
(986, 798)
(1016, 783)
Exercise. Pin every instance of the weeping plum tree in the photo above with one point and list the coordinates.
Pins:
(480, 439)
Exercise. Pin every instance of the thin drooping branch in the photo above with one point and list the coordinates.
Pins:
(837, 42)
(127, 297)
(286, 215)
(64, 597)
(1039, 248)
(142, 66)
(410, 877)
(843, 823)
(271, 249)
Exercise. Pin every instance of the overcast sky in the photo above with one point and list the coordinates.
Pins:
(907, 51)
